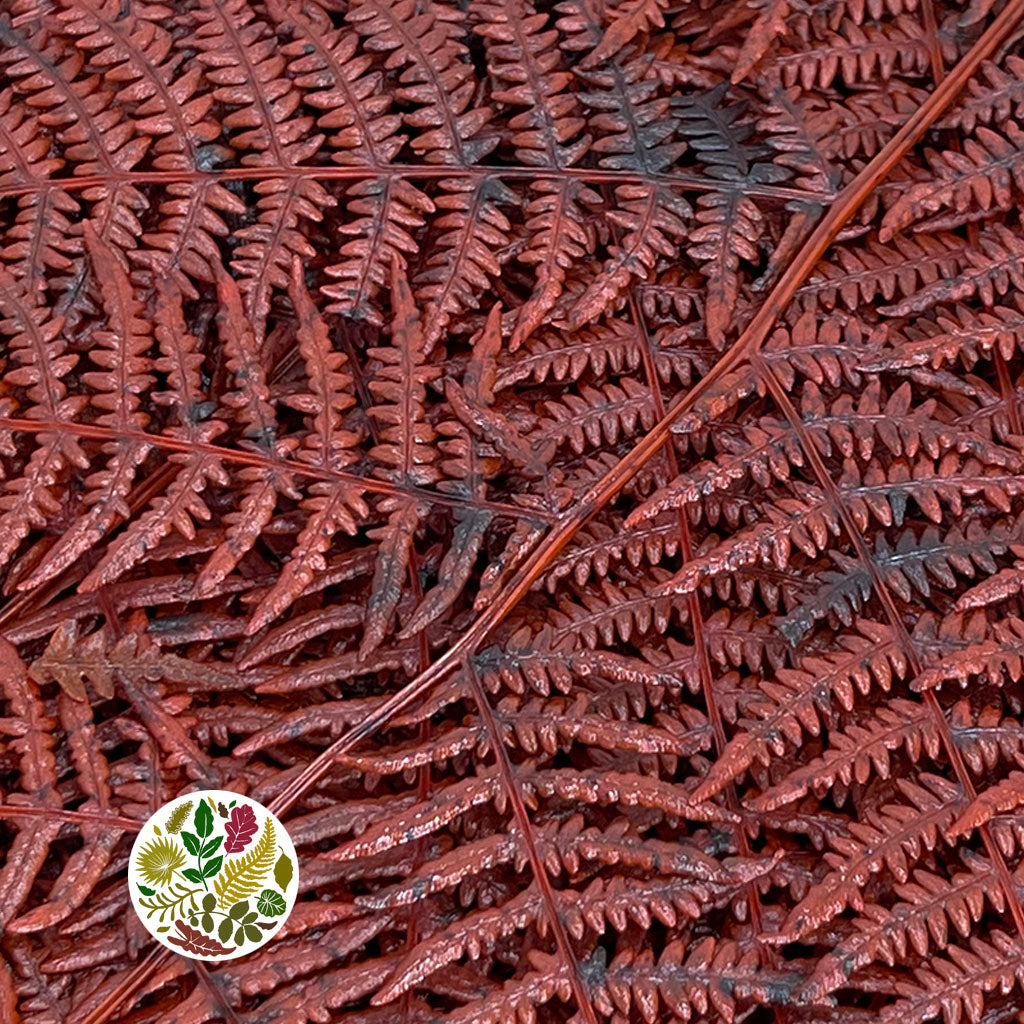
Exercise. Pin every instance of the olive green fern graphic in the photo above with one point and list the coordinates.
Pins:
(240, 877)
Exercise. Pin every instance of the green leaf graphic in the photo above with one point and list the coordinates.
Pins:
(212, 867)
(192, 875)
(176, 900)
(271, 903)
(145, 890)
(203, 820)
(283, 871)
(191, 842)
(211, 847)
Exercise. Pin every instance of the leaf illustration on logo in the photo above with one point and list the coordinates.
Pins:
(192, 940)
(178, 817)
(210, 868)
(173, 901)
(243, 876)
(240, 829)
(159, 859)
(283, 871)
(271, 903)
(203, 821)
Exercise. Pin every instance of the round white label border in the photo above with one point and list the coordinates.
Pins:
(171, 856)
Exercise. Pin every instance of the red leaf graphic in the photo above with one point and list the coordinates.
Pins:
(240, 829)
(194, 941)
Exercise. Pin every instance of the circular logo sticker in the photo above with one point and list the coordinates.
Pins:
(213, 875)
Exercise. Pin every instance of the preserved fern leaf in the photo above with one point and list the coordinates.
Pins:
(565, 458)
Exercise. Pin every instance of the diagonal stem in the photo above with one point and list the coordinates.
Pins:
(646, 447)
(412, 172)
(132, 982)
(112, 821)
(218, 1003)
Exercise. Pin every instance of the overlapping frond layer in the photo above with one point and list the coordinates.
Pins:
(432, 419)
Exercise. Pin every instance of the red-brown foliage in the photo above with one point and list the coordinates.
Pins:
(565, 458)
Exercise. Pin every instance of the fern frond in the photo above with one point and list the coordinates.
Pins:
(242, 876)
(687, 977)
(38, 766)
(927, 906)
(858, 752)
(859, 54)
(181, 505)
(730, 225)
(987, 271)
(875, 494)
(86, 119)
(37, 346)
(39, 240)
(639, 136)
(906, 567)
(988, 657)
(236, 50)
(960, 333)
(867, 272)
(961, 981)
(426, 40)
(595, 418)
(119, 387)
(469, 251)
(892, 839)
(797, 700)
(995, 101)
(967, 184)
(331, 507)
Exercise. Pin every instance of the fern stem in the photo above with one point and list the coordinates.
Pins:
(254, 459)
(132, 982)
(906, 642)
(72, 817)
(749, 342)
(540, 875)
(412, 172)
(938, 69)
(217, 998)
(768, 953)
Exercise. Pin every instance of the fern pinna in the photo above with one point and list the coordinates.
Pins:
(565, 458)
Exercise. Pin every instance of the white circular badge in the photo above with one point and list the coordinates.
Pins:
(213, 875)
